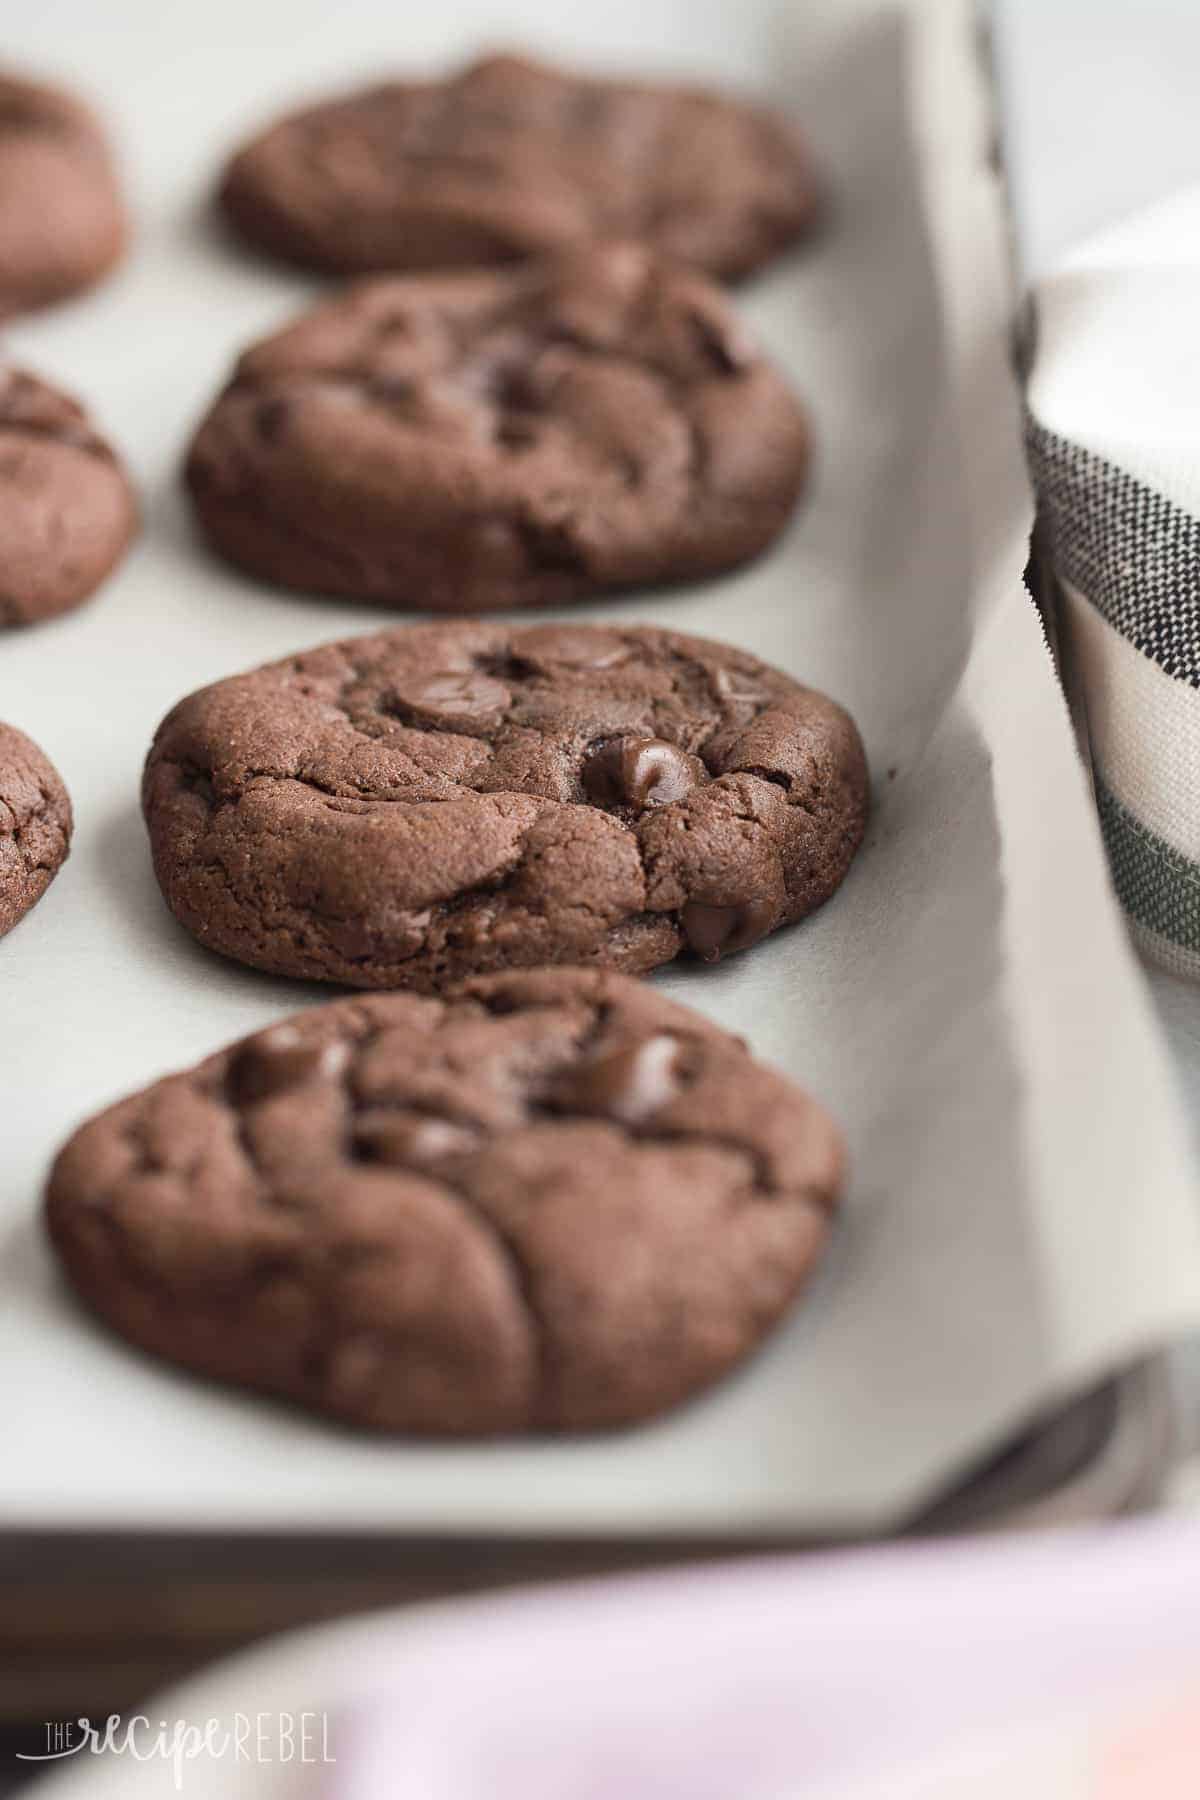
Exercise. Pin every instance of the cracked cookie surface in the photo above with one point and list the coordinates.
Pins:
(67, 510)
(35, 825)
(512, 159)
(63, 220)
(529, 437)
(438, 801)
(553, 1201)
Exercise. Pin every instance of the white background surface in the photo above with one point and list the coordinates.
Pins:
(1099, 99)
(989, 1258)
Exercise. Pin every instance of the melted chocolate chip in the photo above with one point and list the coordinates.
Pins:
(564, 647)
(454, 697)
(553, 548)
(727, 349)
(392, 390)
(197, 781)
(717, 931)
(517, 434)
(735, 689)
(396, 938)
(271, 417)
(409, 1143)
(628, 1083)
(279, 1060)
(640, 772)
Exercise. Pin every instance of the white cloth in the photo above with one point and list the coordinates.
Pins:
(1114, 444)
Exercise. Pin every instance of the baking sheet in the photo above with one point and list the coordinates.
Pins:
(1019, 1216)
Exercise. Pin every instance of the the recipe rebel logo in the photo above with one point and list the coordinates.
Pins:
(257, 1737)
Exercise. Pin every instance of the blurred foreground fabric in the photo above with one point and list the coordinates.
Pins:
(1064, 1666)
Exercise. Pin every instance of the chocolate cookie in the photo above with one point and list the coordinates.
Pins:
(512, 159)
(463, 443)
(551, 1202)
(35, 825)
(446, 800)
(67, 511)
(62, 225)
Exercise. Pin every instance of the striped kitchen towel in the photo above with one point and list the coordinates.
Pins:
(1113, 426)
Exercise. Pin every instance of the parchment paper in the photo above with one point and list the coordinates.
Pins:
(1019, 1217)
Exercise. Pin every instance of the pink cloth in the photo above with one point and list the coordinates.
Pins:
(756, 1681)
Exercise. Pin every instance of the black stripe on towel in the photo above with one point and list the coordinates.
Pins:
(1133, 554)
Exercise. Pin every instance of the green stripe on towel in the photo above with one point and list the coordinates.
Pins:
(1158, 885)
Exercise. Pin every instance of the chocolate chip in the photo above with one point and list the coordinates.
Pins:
(392, 390)
(640, 772)
(197, 781)
(517, 434)
(564, 647)
(508, 384)
(455, 696)
(409, 1143)
(628, 1083)
(717, 931)
(395, 938)
(271, 417)
(725, 347)
(737, 690)
(552, 547)
(281, 1059)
